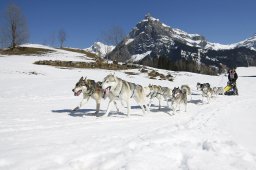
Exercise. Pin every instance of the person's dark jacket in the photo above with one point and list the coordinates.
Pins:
(232, 78)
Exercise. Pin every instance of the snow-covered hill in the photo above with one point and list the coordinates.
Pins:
(58, 54)
(38, 130)
(100, 49)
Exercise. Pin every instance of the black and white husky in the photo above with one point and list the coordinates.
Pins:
(199, 86)
(118, 89)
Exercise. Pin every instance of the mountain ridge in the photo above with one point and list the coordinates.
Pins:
(153, 43)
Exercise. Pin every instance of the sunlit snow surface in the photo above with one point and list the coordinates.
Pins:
(38, 130)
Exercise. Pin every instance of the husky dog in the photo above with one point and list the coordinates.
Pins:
(218, 90)
(207, 92)
(179, 97)
(118, 89)
(199, 86)
(159, 93)
(166, 93)
(90, 89)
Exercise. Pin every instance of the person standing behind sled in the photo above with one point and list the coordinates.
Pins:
(232, 77)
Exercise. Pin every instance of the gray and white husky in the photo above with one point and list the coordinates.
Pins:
(179, 97)
(118, 89)
(218, 90)
(159, 93)
(90, 89)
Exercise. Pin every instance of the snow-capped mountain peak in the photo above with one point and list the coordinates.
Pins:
(194, 40)
(154, 43)
(248, 43)
(148, 17)
(153, 25)
(100, 49)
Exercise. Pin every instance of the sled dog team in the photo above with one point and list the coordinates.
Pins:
(117, 89)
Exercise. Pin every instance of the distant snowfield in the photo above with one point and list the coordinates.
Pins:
(138, 57)
(37, 130)
(59, 54)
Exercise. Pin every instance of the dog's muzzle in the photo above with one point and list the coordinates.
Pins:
(77, 93)
(106, 91)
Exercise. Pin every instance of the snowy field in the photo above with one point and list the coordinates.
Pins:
(39, 132)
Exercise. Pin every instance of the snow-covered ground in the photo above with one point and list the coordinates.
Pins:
(39, 132)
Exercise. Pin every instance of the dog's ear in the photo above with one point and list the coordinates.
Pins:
(85, 78)
(81, 78)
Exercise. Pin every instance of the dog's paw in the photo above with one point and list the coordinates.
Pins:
(96, 113)
(98, 116)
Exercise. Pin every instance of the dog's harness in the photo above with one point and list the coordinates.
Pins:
(91, 91)
(154, 94)
(119, 91)
(132, 93)
(150, 93)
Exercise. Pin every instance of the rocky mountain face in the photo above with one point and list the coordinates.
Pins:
(155, 44)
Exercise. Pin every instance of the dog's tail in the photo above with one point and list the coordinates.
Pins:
(184, 91)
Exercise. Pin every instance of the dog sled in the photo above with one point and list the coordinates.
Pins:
(230, 89)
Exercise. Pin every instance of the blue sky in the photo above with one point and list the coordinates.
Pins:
(222, 21)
